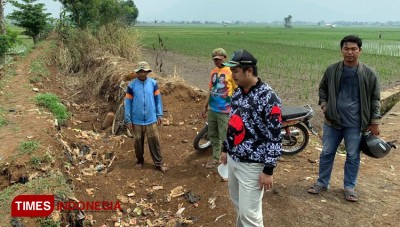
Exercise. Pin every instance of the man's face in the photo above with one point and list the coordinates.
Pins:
(239, 76)
(142, 75)
(350, 52)
(218, 60)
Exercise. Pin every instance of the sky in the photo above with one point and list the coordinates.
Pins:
(269, 10)
(53, 7)
(258, 10)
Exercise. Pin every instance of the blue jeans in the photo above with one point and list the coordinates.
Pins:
(331, 140)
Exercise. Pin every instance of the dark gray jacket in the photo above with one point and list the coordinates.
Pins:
(369, 95)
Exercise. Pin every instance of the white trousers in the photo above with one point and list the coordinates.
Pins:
(245, 192)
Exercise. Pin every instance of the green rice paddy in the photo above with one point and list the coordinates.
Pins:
(289, 59)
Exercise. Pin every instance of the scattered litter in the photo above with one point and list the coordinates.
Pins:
(191, 197)
(137, 211)
(99, 167)
(211, 202)
(122, 198)
(90, 191)
(157, 187)
(35, 89)
(222, 215)
(312, 161)
(111, 161)
(131, 194)
(323, 200)
(178, 191)
(179, 212)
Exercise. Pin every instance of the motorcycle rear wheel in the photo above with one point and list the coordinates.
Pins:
(297, 141)
(118, 122)
(201, 142)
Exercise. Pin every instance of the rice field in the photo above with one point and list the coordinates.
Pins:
(291, 60)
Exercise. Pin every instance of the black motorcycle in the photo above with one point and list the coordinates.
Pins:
(296, 126)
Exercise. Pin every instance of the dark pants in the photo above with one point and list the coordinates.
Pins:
(153, 140)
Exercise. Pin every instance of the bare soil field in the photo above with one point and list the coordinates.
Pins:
(100, 166)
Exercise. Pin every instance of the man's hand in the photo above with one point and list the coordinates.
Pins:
(265, 181)
(159, 121)
(374, 129)
(223, 158)
(203, 113)
(323, 108)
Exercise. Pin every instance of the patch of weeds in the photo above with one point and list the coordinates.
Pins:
(28, 147)
(35, 79)
(11, 72)
(17, 129)
(7, 195)
(52, 102)
(38, 161)
(38, 67)
(48, 222)
(35, 161)
(55, 184)
(2, 121)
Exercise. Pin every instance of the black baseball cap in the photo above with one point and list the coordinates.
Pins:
(241, 57)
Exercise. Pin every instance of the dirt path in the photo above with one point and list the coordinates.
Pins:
(287, 205)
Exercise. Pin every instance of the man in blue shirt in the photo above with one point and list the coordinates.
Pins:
(143, 112)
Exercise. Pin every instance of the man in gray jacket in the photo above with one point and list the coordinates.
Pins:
(349, 97)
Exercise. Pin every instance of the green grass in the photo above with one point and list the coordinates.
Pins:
(25, 44)
(28, 147)
(38, 68)
(38, 161)
(289, 59)
(52, 102)
(36, 79)
(51, 184)
(3, 121)
(48, 222)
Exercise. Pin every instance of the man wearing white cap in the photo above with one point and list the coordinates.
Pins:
(143, 112)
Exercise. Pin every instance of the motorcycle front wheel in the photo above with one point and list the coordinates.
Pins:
(201, 141)
(296, 140)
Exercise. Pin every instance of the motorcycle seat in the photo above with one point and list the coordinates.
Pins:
(291, 112)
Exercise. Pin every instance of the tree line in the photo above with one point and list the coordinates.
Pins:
(76, 14)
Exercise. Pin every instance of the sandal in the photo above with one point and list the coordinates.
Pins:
(139, 166)
(316, 189)
(211, 164)
(350, 196)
